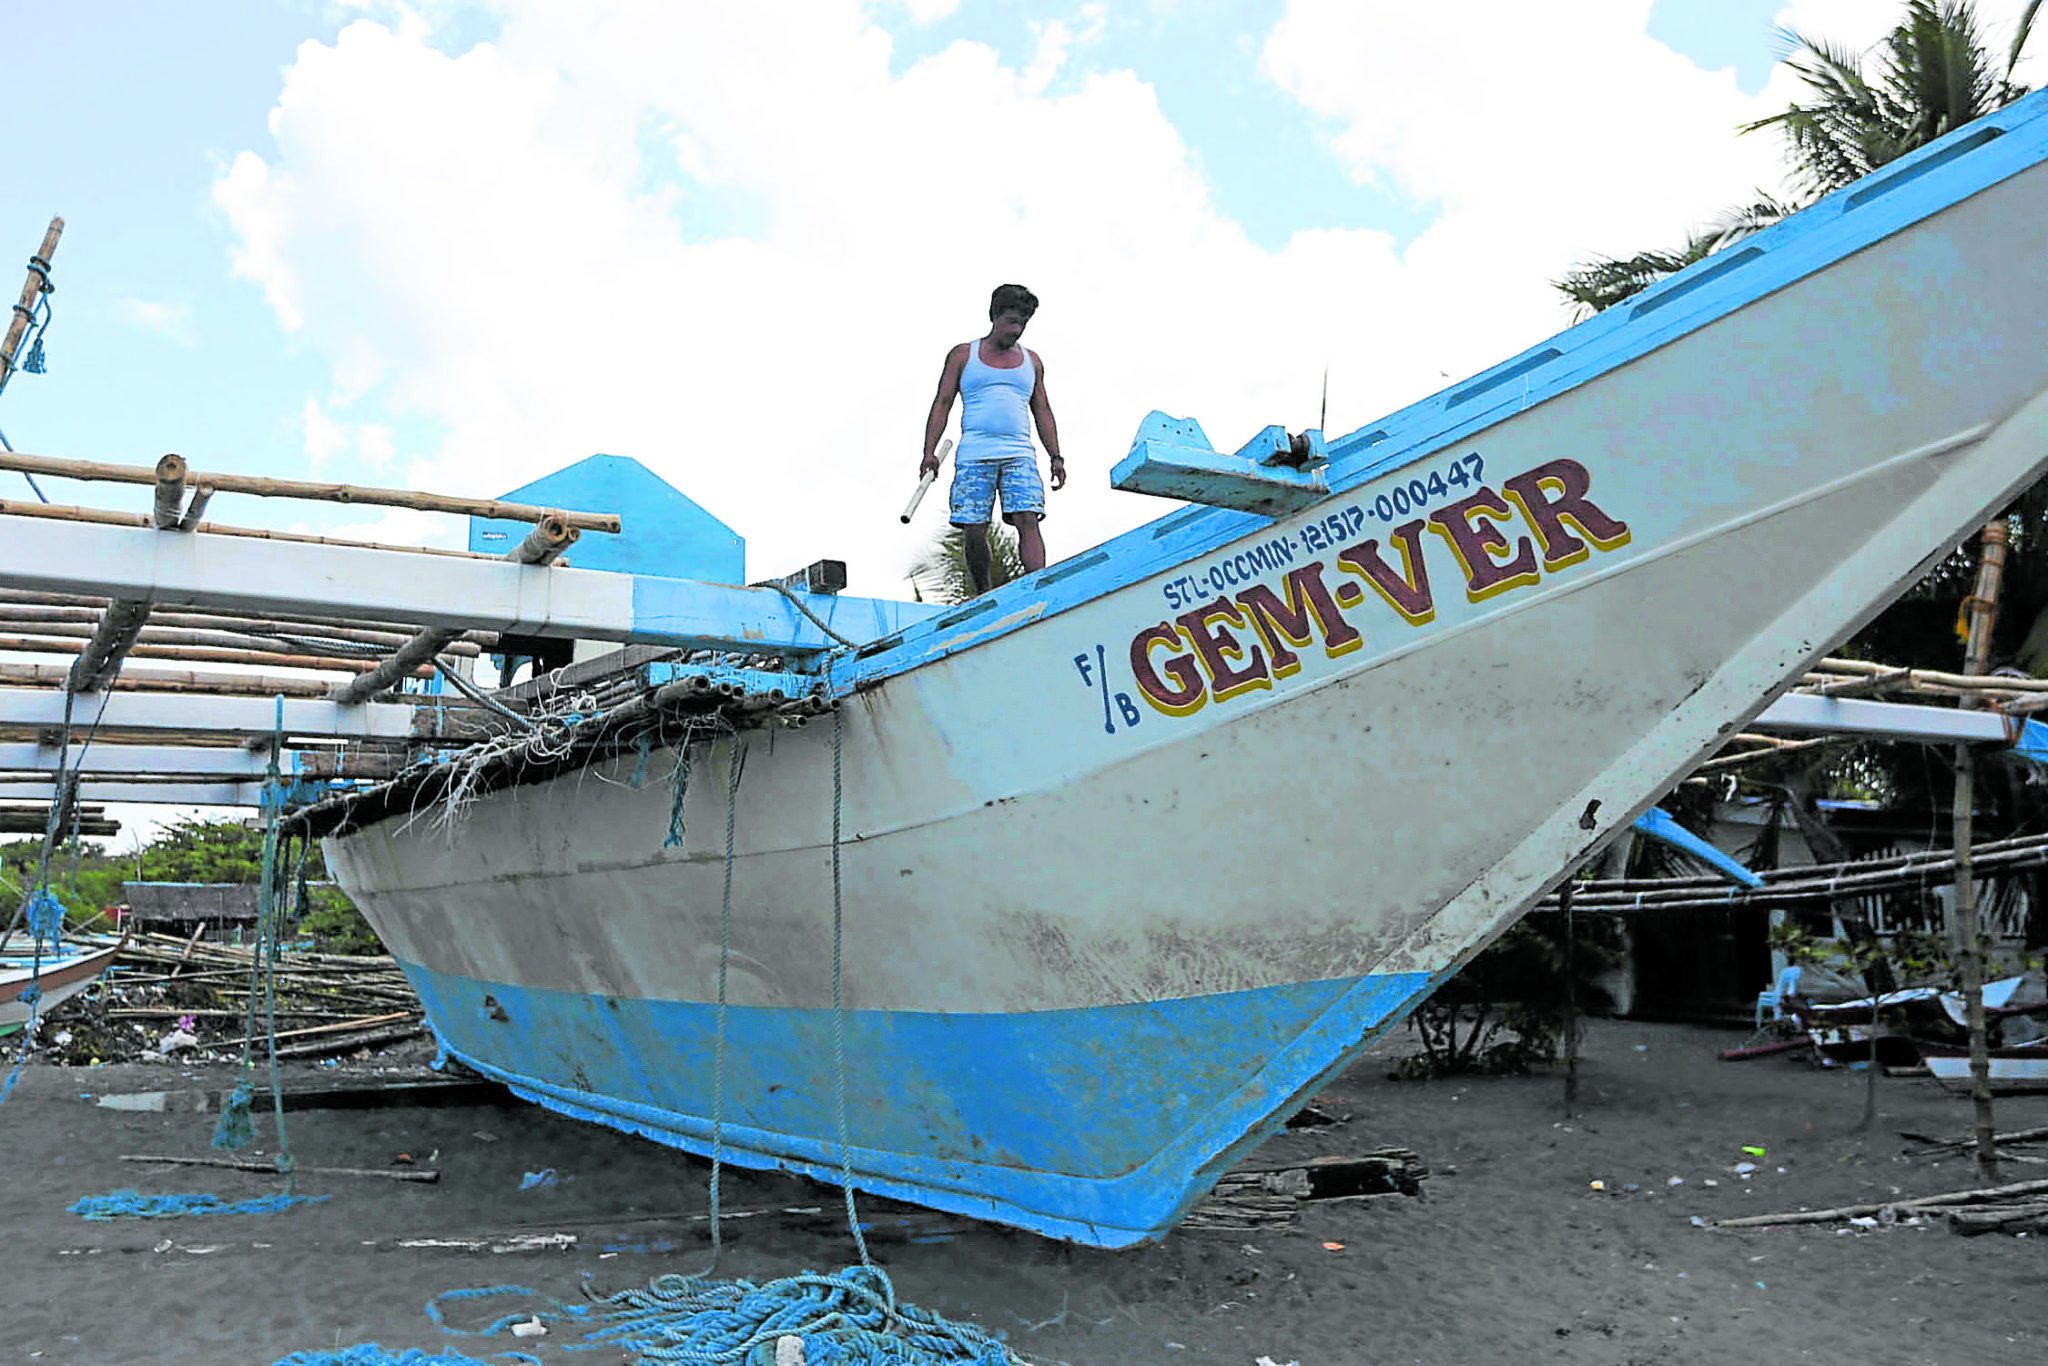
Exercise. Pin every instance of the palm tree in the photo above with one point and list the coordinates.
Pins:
(1932, 75)
(939, 573)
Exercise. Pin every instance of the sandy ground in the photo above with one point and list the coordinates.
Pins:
(1510, 1256)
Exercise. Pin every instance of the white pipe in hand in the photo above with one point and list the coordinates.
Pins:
(925, 482)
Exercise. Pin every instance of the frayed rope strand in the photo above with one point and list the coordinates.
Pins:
(128, 1204)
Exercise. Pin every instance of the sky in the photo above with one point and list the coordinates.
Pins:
(456, 246)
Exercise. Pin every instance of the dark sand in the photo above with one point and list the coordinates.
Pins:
(1509, 1257)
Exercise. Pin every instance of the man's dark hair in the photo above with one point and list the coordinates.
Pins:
(1012, 299)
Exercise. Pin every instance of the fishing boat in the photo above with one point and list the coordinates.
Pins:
(59, 973)
(1078, 889)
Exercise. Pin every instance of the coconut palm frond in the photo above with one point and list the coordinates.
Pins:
(939, 573)
(1602, 284)
(2008, 91)
(1734, 224)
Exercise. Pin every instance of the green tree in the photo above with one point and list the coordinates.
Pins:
(1929, 76)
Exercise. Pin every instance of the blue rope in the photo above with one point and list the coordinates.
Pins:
(375, 1354)
(852, 1317)
(679, 787)
(45, 915)
(135, 1205)
(732, 800)
(848, 1319)
(237, 1125)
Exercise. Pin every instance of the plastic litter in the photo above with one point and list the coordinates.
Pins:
(1675, 1181)
(534, 1328)
(1744, 1168)
(789, 1351)
(1755, 1150)
(544, 1177)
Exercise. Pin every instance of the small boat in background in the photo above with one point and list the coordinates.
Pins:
(62, 973)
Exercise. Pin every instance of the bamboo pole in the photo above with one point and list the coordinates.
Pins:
(32, 289)
(224, 640)
(178, 628)
(13, 617)
(58, 512)
(117, 633)
(179, 681)
(170, 493)
(201, 496)
(1571, 996)
(1921, 677)
(261, 487)
(11, 598)
(1983, 609)
(1731, 760)
(1829, 1216)
(548, 539)
(188, 655)
(426, 1176)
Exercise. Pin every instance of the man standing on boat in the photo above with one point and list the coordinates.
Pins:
(1002, 390)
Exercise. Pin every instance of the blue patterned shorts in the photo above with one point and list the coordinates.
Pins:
(976, 482)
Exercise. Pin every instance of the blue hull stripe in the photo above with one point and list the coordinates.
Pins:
(1100, 1125)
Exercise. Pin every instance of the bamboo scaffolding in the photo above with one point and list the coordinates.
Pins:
(12, 599)
(285, 641)
(543, 545)
(60, 512)
(17, 616)
(261, 487)
(189, 655)
(1818, 882)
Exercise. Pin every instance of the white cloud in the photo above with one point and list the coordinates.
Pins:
(467, 238)
(930, 11)
(173, 320)
(325, 438)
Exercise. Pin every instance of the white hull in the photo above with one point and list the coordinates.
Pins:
(59, 978)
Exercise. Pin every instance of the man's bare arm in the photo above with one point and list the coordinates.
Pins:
(1048, 430)
(942, 407)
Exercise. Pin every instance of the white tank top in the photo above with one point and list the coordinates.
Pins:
(995, 411)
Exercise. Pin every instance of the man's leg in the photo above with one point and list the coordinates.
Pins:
(978, 567)
(1030, 545)
(974, 498)
(1023, 505)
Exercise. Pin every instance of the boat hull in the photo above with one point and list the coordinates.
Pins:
(1124, 884)
(59, 979)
